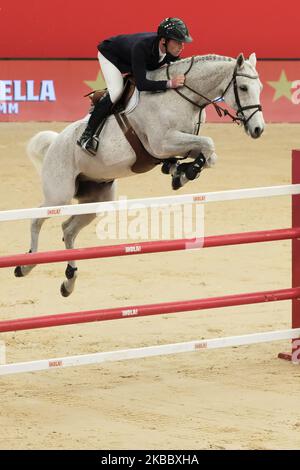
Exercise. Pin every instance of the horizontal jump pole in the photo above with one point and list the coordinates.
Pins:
(150, 351)
(112, 206)
(119, 313)
(148, 247)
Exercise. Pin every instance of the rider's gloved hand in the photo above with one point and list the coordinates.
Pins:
(176, 82)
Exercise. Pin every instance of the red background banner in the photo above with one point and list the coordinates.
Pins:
(53, 90)
(69, 29)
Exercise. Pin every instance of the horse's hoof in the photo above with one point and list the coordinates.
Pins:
(176, 183)
(191, 172)
(18, 272)
(167, 165)
(64, 292)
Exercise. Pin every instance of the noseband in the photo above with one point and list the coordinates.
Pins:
(240, 116)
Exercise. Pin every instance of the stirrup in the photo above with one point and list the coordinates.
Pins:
(91, 145)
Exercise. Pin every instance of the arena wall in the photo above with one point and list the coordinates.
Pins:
(50, 88)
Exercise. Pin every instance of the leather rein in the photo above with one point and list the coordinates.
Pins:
(240, 116)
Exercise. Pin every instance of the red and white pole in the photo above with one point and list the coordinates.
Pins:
(119, 313)
(295, 259)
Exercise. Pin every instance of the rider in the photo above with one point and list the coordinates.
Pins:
(136, 53)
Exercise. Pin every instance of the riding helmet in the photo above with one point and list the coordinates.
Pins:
(174, 28)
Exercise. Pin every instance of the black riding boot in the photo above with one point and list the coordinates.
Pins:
(87, 141)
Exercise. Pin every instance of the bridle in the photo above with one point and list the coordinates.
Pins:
(240, 116)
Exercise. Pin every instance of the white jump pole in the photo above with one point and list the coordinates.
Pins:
(153, 202)
(150, 351)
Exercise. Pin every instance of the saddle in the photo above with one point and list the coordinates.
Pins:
(129, 87)
(144, 160)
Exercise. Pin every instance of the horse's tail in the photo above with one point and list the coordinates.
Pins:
(38, 146)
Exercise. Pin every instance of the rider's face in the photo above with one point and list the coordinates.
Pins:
(175, 47)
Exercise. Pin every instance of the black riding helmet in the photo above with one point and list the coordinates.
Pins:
(174, 28)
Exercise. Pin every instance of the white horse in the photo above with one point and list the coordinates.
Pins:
(164, 122)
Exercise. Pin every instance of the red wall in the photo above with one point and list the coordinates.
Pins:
(65, 28)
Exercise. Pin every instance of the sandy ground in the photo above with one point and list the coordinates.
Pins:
(241, 398)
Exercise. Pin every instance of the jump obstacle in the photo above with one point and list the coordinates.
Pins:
(292, 293)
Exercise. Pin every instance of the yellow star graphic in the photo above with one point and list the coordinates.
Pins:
(97, 84)
(282, 87)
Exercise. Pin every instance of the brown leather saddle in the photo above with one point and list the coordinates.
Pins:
(144, 160)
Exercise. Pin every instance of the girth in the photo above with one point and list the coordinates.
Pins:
(144, 160)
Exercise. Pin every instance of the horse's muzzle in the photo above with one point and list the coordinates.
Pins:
(256, 132)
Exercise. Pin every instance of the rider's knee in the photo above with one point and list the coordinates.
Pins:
(115, 94)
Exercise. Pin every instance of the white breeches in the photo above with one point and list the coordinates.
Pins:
(112, 77)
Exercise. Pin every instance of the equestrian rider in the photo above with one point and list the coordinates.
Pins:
(135, 54)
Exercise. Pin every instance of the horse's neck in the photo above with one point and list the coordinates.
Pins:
(210, 78)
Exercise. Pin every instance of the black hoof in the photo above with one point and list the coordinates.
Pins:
(64, 291)
(191, 172)
(167, 165)
(18, 272)
(176, 182)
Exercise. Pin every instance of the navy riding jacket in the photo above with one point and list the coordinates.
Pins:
(136, 53)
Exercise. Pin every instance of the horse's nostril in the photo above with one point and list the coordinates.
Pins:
(258, 131)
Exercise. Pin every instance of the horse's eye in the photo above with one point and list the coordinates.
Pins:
(243, 88)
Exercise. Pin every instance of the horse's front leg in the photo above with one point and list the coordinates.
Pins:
(180, 143)
(200, 148)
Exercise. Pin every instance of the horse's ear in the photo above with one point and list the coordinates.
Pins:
(240, 60)
(252, 59)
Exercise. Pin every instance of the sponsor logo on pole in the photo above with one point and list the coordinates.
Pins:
(55, 363)
(53, 211)
(130, 312)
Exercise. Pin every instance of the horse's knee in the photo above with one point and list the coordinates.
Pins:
(211, 161)
(208, 146)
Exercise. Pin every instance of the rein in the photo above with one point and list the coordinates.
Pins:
(221, 111)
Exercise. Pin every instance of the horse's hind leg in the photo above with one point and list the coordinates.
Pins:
(89, 192)
(71, 228)
(36, 225)
(67, 192)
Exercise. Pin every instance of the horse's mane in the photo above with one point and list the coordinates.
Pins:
(184, 63)
(204, 58)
